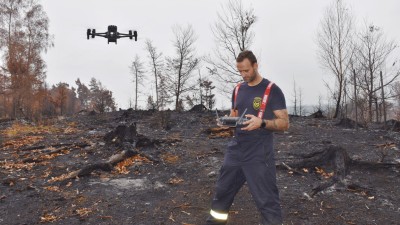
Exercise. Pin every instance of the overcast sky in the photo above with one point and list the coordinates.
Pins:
(285, 35)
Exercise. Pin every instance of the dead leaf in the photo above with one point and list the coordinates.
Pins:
(121, 167)
(323, 173)
(48, 218)
(170, 158)
(82, 212)
(171, 217)
(185, 213)
(17, 166)
(175, 180)
(105, 217)
(52, 188)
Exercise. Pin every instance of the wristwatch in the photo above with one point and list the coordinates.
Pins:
(263, 124)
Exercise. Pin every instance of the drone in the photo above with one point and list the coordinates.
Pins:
(232, 121)
(112, 34)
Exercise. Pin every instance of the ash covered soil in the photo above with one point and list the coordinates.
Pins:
(170, 177)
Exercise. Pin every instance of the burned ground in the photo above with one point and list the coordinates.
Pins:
(169, 178)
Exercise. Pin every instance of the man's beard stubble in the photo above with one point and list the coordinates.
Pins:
(251, 78)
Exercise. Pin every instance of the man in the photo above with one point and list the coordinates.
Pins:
(250, 155)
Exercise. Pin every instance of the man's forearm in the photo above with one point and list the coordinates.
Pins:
(277, 124)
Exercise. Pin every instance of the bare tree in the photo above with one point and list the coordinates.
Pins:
(156, 66)
(185, 61)
(233, 33)
(295, 97)
(335, 41)
(137, 70)
(373, 51)
(164, 96)
(301, 107)
(396, 91)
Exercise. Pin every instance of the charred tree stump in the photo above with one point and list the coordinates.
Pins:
(122, 134)
(349, 123)
(334, 157)
(128, 134)
(318, 114)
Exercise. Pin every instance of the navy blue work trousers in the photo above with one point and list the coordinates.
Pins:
(248, 160)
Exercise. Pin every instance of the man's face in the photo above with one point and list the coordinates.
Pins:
(246, 70)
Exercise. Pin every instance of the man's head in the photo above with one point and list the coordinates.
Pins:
(246, 63)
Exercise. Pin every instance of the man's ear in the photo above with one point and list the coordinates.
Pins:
(255, 66)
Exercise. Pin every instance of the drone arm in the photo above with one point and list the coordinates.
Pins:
(100, 34)
(125, 35)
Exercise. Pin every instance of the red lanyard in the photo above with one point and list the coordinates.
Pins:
(236, 93)
(264, 100)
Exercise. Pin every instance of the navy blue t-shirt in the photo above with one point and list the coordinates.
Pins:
(250, 97)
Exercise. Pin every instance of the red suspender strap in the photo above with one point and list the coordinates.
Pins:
(236, 93)
(264, 100)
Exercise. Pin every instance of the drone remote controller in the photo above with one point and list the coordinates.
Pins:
(232, 121)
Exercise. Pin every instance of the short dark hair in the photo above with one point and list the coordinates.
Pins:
(246, 54)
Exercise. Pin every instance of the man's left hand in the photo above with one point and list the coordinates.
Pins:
(253, 123)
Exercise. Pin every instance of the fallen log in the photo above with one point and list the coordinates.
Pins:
(41, 157)
(104, 166)
(37, 147)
